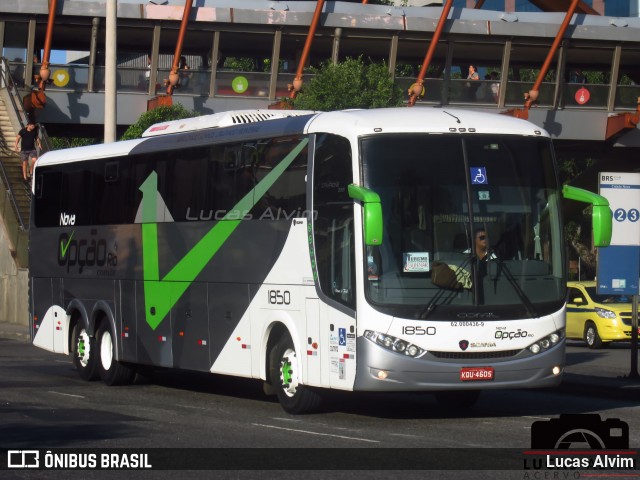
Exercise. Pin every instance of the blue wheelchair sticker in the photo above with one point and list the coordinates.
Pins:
(342, 336)
(479, 176)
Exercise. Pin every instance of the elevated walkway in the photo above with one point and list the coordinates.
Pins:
(243, 55)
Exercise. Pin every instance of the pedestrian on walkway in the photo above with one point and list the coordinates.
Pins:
(29, 138)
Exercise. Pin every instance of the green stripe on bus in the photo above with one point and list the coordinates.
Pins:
(160, 295)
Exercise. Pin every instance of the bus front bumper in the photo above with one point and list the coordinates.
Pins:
(403, 373)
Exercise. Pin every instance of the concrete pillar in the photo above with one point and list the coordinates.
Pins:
(110, 87)
(275, 63)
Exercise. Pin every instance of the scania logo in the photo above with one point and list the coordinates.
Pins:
(478, 316)
(511, 335)
(464, 344)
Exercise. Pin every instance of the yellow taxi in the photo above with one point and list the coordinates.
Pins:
(597, 319)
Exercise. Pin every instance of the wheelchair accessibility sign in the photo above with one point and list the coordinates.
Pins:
(479, 176)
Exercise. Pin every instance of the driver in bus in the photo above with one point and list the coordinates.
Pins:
(481, 252)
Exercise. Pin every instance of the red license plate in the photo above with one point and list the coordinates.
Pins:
(476, 374)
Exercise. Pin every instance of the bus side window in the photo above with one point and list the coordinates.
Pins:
(333, 223)
(48, 185)
(286, 198)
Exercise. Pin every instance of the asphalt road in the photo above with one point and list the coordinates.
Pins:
(44, 404)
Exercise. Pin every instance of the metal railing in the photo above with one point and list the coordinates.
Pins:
(7, 82)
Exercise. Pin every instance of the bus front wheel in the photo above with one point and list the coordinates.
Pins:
(111, 371)
(84, 353)
(285, 377)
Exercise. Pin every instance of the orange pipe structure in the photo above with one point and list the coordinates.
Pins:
(479, 4)
(173, 75)
(45, 72)
(364, 2)
(297, 81)
(532, 95)
(622, 121)
(415, 90)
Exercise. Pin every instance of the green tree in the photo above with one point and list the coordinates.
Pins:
(60, 143)
(157, 115)
(240, 64)
(349, 84)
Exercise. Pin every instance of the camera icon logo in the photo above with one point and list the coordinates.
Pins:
(580, 431)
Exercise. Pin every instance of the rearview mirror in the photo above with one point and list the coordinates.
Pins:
(601, 216)
(371, 214)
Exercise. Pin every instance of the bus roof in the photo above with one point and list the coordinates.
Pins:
(421, 120)
(351, 123)
(219, 120)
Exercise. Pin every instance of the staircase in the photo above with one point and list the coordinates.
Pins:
(15, 194)
(12, 166)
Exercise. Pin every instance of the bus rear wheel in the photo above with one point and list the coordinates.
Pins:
(285, 377)
(84, 353)
(111, 371)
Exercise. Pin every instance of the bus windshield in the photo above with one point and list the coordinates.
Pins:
(468, 221)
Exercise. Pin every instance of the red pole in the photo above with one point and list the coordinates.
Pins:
(45, 72)
(297, 81)
(416, 89)
(173, 75)
(533, 93)
(479, 4)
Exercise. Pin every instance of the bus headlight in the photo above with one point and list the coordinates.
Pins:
(547, 342)
(394, 344)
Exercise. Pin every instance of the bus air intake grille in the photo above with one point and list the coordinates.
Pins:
(474, 355)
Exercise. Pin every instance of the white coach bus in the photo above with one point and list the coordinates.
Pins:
(313, 251)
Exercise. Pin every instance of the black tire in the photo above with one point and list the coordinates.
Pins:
(458, 399)
(84, 353)
(591, 336)
(285, 378)
(111, 371)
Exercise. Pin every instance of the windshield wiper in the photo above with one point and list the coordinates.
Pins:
(528, 305)
(431, 306)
